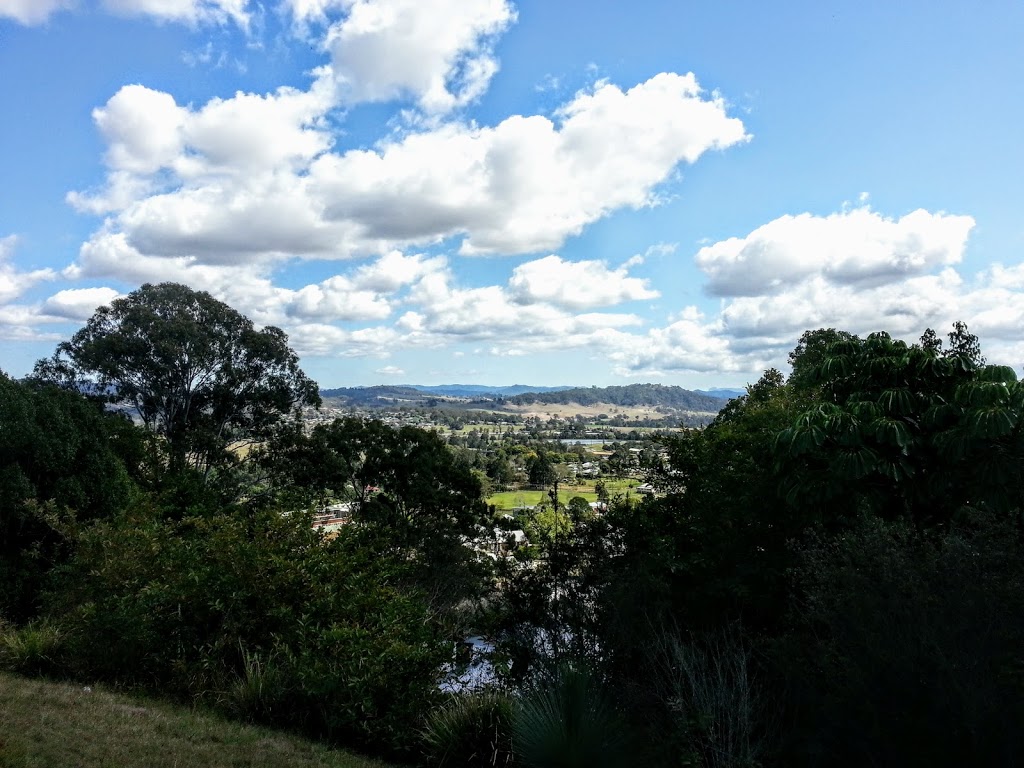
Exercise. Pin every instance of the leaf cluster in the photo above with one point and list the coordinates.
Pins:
(197, 372)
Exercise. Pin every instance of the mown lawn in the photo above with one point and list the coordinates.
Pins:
(509, 500)
(44, 724)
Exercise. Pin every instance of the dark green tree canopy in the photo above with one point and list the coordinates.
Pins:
(540, 469)
(810, 352)
(63, 462)
(405, 480)
(906, 430)
(195, 370)
(409, 494)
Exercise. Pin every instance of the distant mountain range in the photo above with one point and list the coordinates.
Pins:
(725, 393)
(662, 395)
(657, 395)
(474, 390)
(418, 394)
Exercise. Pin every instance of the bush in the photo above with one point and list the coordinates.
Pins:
(34, 649)
(258, 613)
(369, 679)
(565, 721)
(472, 729)
(260, 690)
(717, 711)
(906, 649)
(62, 462)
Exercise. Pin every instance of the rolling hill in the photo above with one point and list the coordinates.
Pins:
(653, 395)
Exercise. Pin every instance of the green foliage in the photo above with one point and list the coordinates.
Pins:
(411, 496)
(890, 636)
(566, 721)
(62, 461)
(718, 714)
(865, 426)
(578, 508)
(500, 470)
(33, 649)
(540, 469)
(906, 432)
(964, 345)
(260, 690)
(715, 547)
(370, 678)
(811, 353)
(288, 626)
(546, 612)
(471, 729)
(196, 371)
(905, 647)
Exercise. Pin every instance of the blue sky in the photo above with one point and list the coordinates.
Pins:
(482, 191)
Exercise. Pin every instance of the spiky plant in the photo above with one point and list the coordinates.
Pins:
(472, 729)
(30, 650)
(566, 721)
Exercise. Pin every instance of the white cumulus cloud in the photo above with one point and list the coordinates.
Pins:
(252, 177)
(192, 12)
(855, 269)
(444, 312)
(438, 52)
(528, 183)
(854, 247)
(688, 343)
(14, 282)
(338, 299)
(78, 303)
(30, 12)
(576, 284)
(312, 10)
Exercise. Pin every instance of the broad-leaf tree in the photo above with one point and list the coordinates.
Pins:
(410, 495)
(907, 431)
(810, 352)
(540, 469)
(196, 371)
(62, 463)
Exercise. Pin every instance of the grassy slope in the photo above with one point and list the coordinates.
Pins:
(56, 724)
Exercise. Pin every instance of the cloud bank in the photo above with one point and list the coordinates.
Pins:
(239, 194)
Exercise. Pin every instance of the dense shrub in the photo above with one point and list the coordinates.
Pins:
(471, 729)
(718, 715)
(258, 612)
(62, 462)
(906, 648)
(34, 649)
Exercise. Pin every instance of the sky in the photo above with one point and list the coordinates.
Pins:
(496, 192)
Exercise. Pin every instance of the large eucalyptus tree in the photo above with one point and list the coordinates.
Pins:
(197, 372)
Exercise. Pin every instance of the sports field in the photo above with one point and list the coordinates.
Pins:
(509, 500)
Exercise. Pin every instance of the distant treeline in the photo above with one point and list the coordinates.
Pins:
(374, 395)
(628, 395)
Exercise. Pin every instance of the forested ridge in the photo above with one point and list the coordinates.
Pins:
(629, 395)
(370, 395)
(626, 395)
(831, 573)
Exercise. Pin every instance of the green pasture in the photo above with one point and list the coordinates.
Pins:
(505, 501)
